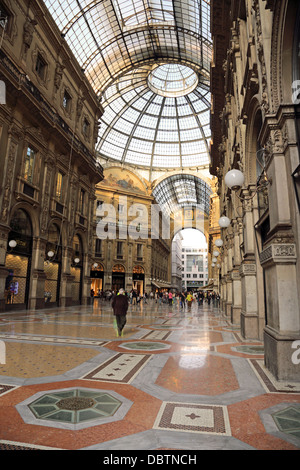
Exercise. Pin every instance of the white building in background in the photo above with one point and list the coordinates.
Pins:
(194, 262)
(176, 262)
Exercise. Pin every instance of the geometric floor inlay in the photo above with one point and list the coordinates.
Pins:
(52, 339)
(74, 406)
(146, 345)
(162, 335)
(209, 419)
(269, 382)
(288, 420)
(6, 388)
(121, 368)
(248, 349)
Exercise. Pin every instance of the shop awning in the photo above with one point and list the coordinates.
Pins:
(160, 285)
(207, 287)
(156, 284)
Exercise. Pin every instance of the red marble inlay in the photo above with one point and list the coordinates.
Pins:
(247, 426)
(199, 374)
(139, 418)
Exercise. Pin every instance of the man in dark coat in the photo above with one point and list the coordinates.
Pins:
(120, 307)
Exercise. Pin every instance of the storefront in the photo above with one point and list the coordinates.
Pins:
(18, 261)
(97, 278)
(138, 279)
(118, 277)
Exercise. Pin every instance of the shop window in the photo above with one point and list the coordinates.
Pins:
(51, 282)
(16, 281)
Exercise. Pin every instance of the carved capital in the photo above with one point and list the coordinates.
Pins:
(279, 253)
(247, 269)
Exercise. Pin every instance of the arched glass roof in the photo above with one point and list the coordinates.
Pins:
(185, 190)
(149, 62)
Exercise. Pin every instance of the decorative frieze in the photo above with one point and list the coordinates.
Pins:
(247, 269)
(235, 275)
(279, 253)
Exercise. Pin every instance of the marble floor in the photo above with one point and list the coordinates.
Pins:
(177, 379)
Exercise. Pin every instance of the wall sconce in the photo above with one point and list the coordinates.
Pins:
(50, 254)
(216, 253)
(234, 179)
(219, 242)
(76, 260)
(12, 243)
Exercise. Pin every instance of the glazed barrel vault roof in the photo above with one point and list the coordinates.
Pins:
(149, 63)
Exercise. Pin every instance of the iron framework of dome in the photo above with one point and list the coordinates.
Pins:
(149, 63)
(182, 190)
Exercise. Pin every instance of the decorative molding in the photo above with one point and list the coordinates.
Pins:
(279, 253)
(247, 269)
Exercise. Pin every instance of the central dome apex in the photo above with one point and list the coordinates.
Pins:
(172, 80)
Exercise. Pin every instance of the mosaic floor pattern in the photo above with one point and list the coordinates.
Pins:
(176, 380)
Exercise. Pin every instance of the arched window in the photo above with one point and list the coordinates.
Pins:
(21, 223)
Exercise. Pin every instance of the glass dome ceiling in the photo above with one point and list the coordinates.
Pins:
(172, 80)
(149, 62)
(168, 128)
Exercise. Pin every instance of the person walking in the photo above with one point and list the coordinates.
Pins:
(189, 299)
(182, 300)
(120, 307)
(92, 297)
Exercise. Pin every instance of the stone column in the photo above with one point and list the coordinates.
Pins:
(228, 276)
(249, 325)
(66, 278)
(37, 286)
(283, 324)
(279, 256)
(235, 275)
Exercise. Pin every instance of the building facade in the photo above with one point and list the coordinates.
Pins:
(48, 129)
(255, 121)
(194, 268)
(129, 250)
(177, 262)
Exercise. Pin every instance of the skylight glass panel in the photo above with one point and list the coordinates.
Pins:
(144, 133)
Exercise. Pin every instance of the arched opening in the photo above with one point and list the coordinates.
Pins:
(18, 260)
(189, 260)
(52, 266)
(77, 269)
